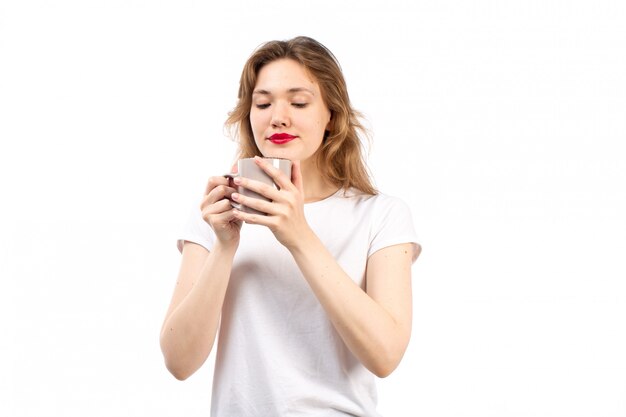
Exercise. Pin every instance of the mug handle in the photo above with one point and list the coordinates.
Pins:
(232, 176)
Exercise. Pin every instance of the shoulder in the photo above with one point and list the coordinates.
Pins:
(390, 222)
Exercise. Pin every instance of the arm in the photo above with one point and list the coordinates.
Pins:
(192, 319)
(375, 325)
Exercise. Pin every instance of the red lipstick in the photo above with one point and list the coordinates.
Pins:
(281, 138)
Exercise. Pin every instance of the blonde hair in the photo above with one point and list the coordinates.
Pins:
(340, 157)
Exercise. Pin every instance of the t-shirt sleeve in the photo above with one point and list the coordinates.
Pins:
(196, 230)
(392, 224)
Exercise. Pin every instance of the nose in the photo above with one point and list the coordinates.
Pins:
(280, 116)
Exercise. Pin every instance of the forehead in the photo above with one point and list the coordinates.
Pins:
(285, 75)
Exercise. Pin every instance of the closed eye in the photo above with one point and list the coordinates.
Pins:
(299, 105)
(262, 106)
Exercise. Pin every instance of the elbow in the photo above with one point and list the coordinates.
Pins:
(384, 373)
(173, 362)
(183, 359)
(387, 360)
(177, 373)
(176, 367)
(384, 369)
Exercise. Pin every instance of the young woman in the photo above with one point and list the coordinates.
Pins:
(312, 300)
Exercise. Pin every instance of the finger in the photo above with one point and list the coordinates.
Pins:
(224, 219)
(218, 193)
(276, 174)
(217, 208)
(268, 191)
(215, 195)
(255, 203)
(296, 176)
(214, 182)
(252, 218)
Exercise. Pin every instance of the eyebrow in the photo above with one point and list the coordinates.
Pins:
(290, 91)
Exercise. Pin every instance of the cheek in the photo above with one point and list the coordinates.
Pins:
(323, 120)
(256, 121)
(322, 123)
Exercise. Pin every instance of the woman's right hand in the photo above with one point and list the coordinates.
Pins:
(218, 213)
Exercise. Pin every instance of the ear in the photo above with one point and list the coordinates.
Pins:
(331, 121)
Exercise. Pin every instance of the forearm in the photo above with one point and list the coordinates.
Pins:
(367, 328)
(189, 331)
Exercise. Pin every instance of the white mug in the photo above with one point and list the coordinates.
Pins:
(247, 168)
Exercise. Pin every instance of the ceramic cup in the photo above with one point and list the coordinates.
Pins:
(247, 168)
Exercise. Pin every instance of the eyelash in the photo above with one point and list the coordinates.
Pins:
(296, 105)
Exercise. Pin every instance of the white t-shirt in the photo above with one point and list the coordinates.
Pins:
(278, 354)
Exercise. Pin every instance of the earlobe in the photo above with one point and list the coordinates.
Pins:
(329, 125)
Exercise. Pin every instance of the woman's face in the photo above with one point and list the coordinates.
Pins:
(288, 115)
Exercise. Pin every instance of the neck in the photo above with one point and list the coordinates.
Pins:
(316, 187)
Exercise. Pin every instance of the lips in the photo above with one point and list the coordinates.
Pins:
(281, 138)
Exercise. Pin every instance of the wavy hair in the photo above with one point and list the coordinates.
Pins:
(340, 157)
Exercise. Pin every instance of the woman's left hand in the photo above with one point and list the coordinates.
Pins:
(285, 212)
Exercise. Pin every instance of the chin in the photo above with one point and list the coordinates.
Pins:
(278, 153)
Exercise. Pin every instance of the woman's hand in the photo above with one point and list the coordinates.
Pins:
(218, 212)
(285, 212)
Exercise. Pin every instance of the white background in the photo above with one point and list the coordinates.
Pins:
(501, 123)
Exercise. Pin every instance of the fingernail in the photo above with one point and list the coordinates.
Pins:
(237, 180)
(234, 196)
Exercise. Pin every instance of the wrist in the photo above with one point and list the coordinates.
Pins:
(306, 243)
(228, 248)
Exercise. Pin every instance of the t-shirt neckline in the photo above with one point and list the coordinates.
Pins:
(333, 195)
